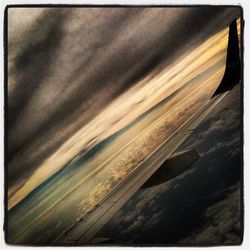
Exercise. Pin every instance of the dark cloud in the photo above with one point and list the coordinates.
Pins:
(72, 62)
(225, 122)
(222, 222)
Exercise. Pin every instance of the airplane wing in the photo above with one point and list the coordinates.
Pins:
(87, 227)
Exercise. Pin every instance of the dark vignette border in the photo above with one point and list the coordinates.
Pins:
(5, 42)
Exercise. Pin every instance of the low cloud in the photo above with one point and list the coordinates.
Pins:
(225, 122)
(222, 225)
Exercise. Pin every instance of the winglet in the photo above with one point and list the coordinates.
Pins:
(232, 73)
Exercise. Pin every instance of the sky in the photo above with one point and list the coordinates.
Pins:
(60, 102)
(92, 92)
